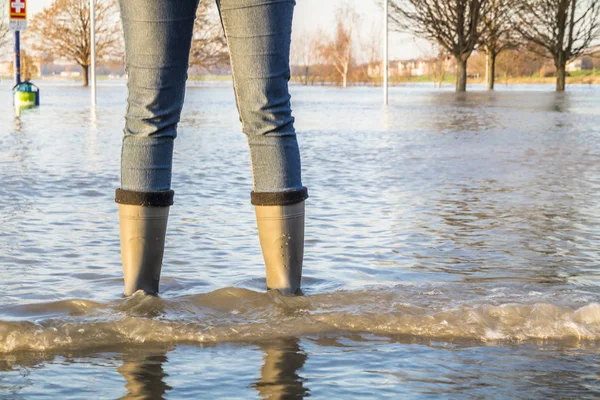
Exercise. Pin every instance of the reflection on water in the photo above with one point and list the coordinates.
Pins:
(340, 366)
(146, 378)
(452, 248)
(144, 375)
(279, 378)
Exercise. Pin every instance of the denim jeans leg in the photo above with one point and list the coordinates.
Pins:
(258, 36)
(158, 35)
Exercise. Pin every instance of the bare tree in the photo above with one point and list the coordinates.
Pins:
(64, 29)
(437, 59)
(499, 35)
(372, 50)
(4, 32)
(209, 46)
(562, 28)
(457, 25)
(338, 50)
(29, 68)
(305, 53)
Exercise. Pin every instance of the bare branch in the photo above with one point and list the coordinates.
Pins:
(564, 28)
(338, 50)
(63, 29)
(209, 46)
(457, 25)
(4, 32)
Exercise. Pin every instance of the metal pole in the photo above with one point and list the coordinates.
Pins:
(93, 49)
(17, 57)
(385, 52)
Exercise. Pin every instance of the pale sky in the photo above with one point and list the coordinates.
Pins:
(313, 14)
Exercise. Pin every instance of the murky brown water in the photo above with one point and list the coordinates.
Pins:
(452, 249)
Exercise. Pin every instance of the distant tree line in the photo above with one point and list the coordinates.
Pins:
(561, 29)
(62, 30)
(531, 31)
(324, 57)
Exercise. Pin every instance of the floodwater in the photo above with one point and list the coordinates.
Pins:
(452, 250)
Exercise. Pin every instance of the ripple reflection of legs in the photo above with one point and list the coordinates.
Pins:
(279, 377)
(144, 375)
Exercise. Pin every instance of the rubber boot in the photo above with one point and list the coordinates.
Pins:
(143, 230)
(281, 234)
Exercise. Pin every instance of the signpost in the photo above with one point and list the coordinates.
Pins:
(17, 22)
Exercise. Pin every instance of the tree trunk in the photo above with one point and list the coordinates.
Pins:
(487, 66)
(306, 75)
(84, 75)
(561, 73)
(344, 80)
(491, 68)
(461, 75)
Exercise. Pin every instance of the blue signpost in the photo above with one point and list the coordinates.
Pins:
(17, 57)
(25, 94)
(17, 22)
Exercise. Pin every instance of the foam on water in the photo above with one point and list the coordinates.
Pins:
(452, 312)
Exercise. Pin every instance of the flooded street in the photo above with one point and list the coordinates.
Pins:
(452, 248)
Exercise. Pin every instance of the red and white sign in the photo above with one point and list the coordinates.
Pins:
(17, 15)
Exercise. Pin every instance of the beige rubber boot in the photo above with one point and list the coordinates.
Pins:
(143, 231)
(281, 233)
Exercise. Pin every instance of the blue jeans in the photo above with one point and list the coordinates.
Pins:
(158, 35)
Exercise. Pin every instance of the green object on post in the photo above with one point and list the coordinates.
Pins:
(26, 94)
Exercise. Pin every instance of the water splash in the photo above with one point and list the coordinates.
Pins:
(451, 311)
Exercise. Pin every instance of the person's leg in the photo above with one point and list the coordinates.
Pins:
(258, 35)
(158, 34)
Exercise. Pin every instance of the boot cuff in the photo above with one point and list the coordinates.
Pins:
(284, 198)
(147, 199)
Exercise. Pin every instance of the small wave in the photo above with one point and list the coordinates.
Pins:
(234, 314)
